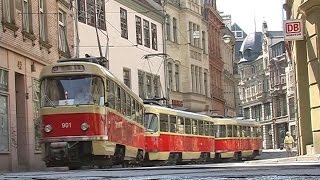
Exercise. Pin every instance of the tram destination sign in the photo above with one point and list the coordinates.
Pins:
(293, 30)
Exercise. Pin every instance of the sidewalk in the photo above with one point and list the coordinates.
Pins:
(293, 159)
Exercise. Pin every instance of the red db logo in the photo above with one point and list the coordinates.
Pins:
(293, 27)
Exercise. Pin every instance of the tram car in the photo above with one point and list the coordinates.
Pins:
(175, 136)
(88, 116)
(237, 139)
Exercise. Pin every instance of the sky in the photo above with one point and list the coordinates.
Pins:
(246, 12)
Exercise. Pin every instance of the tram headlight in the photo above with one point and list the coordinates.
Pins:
(48, 128)
(84, 126)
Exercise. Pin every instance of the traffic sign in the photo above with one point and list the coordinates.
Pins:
(293, 30)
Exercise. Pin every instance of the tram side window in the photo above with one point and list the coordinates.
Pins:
(258, 131)
(235, 131)
(212, 129)
(134, 110)
(180, 125)
(201, 129)
(164, 123)
(128, 113)
(206, 128)
(188, 126)
(123, 101)
(195, 128)
(247, 131)
(241, 132)
(222, 131)
(118, 100)
(140, 113)
(173, 124)
(110, 95)
(229, 130)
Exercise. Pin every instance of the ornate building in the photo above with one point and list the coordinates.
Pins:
(33, 34)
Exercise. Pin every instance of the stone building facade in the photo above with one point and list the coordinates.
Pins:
(305, 60)
(33, 34)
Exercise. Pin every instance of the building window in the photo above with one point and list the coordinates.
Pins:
(175, 33)
(154, 36)
(205, 82)
(127, 77)
(91, 15)
(177, 77)
(43, 20)
(3, 80)
(141, 84)
(156, 85)
(146, 33)
(168, 28)
(192, 78)
(8, 11)
(36, 114)
(190, 33)
(170, 74)
(27, 16)
(4, 133)
(123, 22)
(138, 30)
(204, 42)
(149, 85)
(62, 32)
(92, 12)
(82, 11)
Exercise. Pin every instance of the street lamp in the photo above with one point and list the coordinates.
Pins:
(226, 38)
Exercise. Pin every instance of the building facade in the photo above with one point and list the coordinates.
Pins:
(239, 35)
(130, 39)
(215, 22)
(305, 59)
(33, 34)
(229, 80)
(186, 40)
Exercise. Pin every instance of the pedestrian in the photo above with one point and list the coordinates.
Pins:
(288, 143)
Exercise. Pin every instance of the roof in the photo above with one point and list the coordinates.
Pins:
(252, 46)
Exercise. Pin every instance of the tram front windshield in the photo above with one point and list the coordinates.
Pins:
(72, 90)
(151, 122)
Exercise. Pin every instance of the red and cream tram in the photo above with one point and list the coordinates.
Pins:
(237, 139)
(88, 116)
(174, 136)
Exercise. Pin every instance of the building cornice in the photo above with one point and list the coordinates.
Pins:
(310, 9)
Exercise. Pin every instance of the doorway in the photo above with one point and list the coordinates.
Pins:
(22, 123)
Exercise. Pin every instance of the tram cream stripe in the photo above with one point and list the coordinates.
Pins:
(190, 155)
(104, 148)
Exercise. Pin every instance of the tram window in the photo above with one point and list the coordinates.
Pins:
(241, 132)
(235, 131)
(128, 113)
(134, 110)
(180, 125)
(151, 122)
(110, 95)
(164, 123)
(222, 131)
(229, 130)
(247, 131)
(212, 129)
(201, 129)
(123, 101)
(141, 112)
(173, 124)
(187, 126)
(195, 128)
(258, 131)
(254, 131)
(206, 128)
(118, 102)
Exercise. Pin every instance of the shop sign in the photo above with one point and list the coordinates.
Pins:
(293, 30)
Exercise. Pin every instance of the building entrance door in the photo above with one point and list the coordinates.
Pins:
(22, 123)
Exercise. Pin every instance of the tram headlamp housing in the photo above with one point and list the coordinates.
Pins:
(84, 126)
(48, 128)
